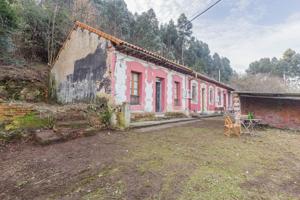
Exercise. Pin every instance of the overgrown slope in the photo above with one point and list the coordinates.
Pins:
(27, 83)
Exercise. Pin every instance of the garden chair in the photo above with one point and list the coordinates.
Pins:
(231, 128)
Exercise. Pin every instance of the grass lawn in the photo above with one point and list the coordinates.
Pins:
(193, 161)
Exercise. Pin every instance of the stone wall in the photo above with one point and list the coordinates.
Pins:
(9, 111)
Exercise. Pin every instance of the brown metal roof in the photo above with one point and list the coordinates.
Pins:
(144, 54)
(269, 95)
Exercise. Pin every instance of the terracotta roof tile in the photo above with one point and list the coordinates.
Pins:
(121, 43)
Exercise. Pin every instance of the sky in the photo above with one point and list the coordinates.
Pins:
(242, 30)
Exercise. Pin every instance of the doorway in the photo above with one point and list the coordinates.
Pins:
(158, 95)
(225, 101)
(203, 109)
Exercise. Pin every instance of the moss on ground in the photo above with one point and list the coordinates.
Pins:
(28, 121)
(18, 126)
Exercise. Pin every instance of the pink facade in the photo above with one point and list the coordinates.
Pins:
(136, 67)
(175, 88)
(179, 80)
(128, 73)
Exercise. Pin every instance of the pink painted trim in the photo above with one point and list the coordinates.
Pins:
(211, 105)
(195, 107)
(133, 66)
(225, 101)
(160, 73)
(176, 78)
(112, 75)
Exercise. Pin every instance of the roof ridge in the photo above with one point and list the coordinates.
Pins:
(121, 42)
(99, 32)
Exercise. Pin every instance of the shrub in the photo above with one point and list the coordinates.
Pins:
(101, 108)
(175, 115)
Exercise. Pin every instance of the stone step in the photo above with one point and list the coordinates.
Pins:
(144, 124)
(70, 116)
(72, 124)
(71, 133)
(45, 137)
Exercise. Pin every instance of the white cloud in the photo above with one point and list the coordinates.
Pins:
(167, 9)
(237, 36)
(243, 42)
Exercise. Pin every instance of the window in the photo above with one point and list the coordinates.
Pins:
(135, 88)
(211, 95)
(176, 93)
(194, 92)
(219, 98)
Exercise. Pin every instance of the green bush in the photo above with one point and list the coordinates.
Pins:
(102, 109)
(250, 115)
(106, 116)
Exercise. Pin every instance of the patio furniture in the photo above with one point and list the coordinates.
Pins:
(231, 128)
(249, 125)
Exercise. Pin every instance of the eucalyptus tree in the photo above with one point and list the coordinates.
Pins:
(184, 28)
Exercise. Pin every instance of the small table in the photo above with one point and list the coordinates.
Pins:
(249, 125)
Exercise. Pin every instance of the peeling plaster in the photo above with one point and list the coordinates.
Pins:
(87, 67)
(170, 91)
(149, 80)
(120, 79)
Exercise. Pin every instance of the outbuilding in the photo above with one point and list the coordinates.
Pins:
(280, 110)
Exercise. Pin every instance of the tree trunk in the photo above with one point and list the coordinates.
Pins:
(52, 36)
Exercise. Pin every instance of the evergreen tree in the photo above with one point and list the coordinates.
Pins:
(169, 37)
(8, 23)
(146, 31)
(184, 28)
(44, 25)
(114, 18)
(288, 65)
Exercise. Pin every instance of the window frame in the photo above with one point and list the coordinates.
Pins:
(177, 93)
(211, 95)
(194, 92)
(219, 97)
(135, 85)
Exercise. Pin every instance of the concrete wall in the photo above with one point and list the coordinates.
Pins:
(278, 113)
(81, 70)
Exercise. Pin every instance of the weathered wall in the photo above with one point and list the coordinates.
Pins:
(81, 70)
(121, 77)
(275, 112)
(209, 106)
(88, 65)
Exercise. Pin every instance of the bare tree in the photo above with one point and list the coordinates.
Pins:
(260, 83)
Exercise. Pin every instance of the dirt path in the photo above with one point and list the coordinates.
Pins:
(191, 161)
(34, 172)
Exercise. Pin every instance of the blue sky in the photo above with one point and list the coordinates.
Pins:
(242, 30)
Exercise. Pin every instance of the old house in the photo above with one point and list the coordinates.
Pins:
(92, 62)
